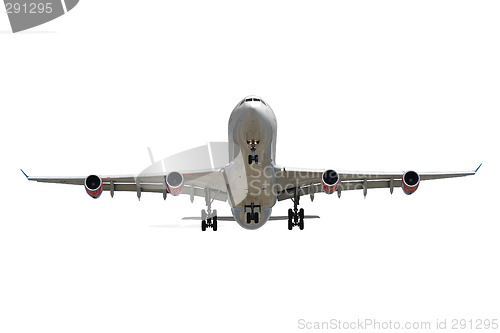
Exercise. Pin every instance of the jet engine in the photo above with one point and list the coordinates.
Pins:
(175, 183)
(93, 186)
(410, 182)
(330, 181)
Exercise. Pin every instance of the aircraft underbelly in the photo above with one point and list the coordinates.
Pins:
(250, 176)
(250, 184)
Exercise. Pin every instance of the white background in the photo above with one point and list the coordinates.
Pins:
(364, 85)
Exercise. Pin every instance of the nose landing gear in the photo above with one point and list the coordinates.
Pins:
(253, 146)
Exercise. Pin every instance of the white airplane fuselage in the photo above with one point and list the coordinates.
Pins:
(250, 186)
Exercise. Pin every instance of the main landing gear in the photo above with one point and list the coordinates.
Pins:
(295, 215)
(252, 213)
(208, 217)
(253, 145)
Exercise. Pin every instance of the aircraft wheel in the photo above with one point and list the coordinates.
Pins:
(301, 219)
(250, 159)
(203, 225)
(249, 217)
(256, 217)
(214, 223)
(290, 217)
(256, 159)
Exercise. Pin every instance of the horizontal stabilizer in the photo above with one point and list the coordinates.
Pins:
(219, 218)
(285, 218)
(230, 218)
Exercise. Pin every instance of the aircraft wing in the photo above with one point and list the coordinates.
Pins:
(306, 181)
(196, 183)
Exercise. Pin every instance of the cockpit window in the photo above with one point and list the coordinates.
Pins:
(253, 99)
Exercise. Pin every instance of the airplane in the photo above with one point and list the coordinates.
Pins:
(250, 181)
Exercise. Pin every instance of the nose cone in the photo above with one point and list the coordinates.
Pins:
(252, 111)
(254, 107)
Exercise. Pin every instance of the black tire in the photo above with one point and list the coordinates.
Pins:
(301, 225)
(249, 218)
(214, 223)
(290, 217)
(256, 159)
(256, 217)
(250, 159)
(301, 214)
(203, 225)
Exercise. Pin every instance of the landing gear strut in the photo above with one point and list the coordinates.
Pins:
(295, 215)
(208, 217)
(253, 145)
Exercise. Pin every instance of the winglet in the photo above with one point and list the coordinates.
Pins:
(24, 173)
(478, 167)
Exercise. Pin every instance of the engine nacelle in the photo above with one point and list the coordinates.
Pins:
(330, 181)
(93, 186)
(175, 183)
(410, 182)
